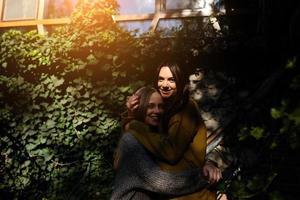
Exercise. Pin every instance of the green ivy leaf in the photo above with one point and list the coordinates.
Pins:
(50, 124)
(291, 63)
(276, 114)
(4, 65)
(92, 60)
(58, 82)
(30, 146)
(124, 89)
(257, 132)
(295, 116)
(115, 74)
(27, 163)
(43, 140)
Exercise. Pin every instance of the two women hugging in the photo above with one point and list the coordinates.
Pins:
(162, 152)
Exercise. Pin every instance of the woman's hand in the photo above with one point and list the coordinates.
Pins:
(132, 103)
(212, 172)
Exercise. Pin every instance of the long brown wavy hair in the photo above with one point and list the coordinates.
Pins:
(144, 94)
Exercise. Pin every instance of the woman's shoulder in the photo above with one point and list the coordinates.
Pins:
(190, 111)
(190, 107)
(128, 142)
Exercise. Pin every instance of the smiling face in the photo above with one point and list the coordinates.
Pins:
(154, 109)
(166, 83)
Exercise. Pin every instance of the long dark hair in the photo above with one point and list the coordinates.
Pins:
(175, 103)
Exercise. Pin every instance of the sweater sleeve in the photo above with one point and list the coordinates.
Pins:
(170, 146)
(139, 166)
(221, 156)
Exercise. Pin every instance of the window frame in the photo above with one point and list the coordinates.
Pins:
(5, 2)
(39, 21)
(160, 12)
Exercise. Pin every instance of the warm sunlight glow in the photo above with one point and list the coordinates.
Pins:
(59, 8)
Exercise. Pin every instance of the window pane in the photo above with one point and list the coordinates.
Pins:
(59, 8)
(140, 26)
(136, 6)
(206, 6)
(188, 25)
(20, 9)
(169, 26)
(185, 4)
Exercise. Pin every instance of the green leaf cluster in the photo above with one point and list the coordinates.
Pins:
(61, 99)
(274, 142)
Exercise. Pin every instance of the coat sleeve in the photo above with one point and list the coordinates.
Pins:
(137, 163)
(170, 146)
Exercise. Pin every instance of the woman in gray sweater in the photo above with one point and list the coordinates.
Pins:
(138, 176)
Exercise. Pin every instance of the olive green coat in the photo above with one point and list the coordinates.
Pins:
(182, 147)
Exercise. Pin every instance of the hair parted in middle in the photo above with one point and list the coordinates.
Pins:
(144, 94)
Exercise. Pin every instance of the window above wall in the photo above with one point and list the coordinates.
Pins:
(151, 15)
(35, 14)
(140, 15)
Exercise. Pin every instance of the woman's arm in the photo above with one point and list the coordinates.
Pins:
(171, 146)
(138, 165)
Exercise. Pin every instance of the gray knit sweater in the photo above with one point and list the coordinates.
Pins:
(140, 178)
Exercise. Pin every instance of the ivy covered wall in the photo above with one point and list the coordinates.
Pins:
(60, 103)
